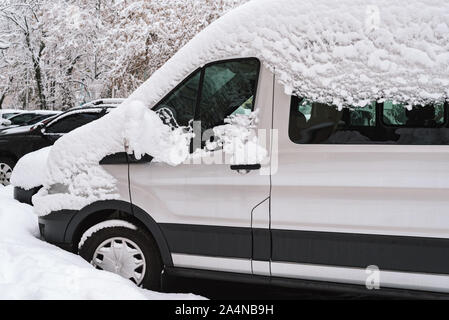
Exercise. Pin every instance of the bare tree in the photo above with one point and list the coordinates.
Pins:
(28, 35)
(60, 53)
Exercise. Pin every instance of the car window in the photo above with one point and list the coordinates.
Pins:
(71, 122)
(418, 116)
(319, 123)
(212, 93)
(182, 100)
(22, 118)
(353, 117)
(39, 118)
(9, 115)
(227, 88)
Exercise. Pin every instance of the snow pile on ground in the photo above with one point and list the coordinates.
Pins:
(346, 52)
(33, 269)
(30, 171)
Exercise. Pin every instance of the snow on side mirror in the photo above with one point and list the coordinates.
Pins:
(37, 126)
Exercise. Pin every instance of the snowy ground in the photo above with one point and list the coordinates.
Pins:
(33, 269)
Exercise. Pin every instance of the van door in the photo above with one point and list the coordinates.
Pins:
(356, 195)
(205, 207)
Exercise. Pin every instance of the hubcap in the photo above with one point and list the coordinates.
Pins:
(121, 256)
(5, 173)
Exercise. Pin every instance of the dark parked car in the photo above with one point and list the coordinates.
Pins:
(16, 142)
(27, 118)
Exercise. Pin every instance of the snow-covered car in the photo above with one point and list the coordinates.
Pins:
(28, 175)
(5, 114)
(291, 142)
(27, 118)
(18, 141)
(104, 102)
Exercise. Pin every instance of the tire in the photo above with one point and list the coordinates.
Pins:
(6, 166)
(100, 239)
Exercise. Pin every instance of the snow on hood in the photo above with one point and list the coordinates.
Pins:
(30, 171)
(345, 52)
(74, 179)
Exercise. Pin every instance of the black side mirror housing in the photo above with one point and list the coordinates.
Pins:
(38, 127)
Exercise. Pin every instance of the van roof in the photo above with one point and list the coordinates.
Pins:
(345, 53)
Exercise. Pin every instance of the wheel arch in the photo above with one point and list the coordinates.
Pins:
(116, 209)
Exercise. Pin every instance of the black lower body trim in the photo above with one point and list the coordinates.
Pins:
(393, 253)
(53, 226)
(329, 289)
(208, 240)
(25, 196)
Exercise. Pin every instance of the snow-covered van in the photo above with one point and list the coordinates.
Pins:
(292, 142)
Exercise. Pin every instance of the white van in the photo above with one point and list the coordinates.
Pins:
(352, 198)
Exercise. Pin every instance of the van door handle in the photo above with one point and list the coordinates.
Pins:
(245, 168)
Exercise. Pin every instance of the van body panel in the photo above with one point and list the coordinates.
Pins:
(374, 189)
(261, 239)
(120, 173)
(338, 209)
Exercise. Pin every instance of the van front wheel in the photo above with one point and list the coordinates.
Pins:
(129, 253)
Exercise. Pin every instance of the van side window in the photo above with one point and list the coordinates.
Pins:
(223, 88)
(429, 116)
(182, 100)
(228, 87)
(363, 117)
(313, 122)
(355, 117)
(318, 123)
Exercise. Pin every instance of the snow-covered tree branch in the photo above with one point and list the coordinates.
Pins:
(57, 54)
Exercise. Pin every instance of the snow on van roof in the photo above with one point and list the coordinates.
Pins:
(345, 52)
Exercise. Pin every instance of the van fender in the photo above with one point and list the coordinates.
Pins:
(124, 207)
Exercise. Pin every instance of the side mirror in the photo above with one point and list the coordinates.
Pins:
(37, 127)
(40, 127)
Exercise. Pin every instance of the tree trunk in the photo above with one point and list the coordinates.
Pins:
(38, 76)
(67, 93)
(2, 98)
(36, 67)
